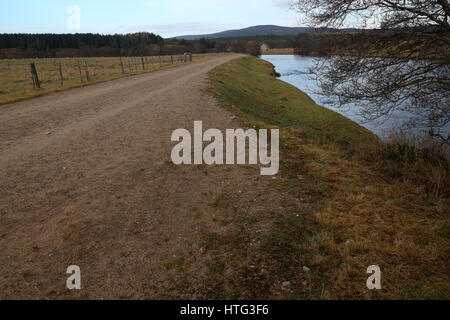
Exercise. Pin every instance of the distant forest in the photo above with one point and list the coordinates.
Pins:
(393, 44)
(93, 45)
(67, 45)
(149, 44)
(136, 44)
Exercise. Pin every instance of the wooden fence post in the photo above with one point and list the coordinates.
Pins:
(171, 58)
(34, 76)
(143, 64)
(79, 70)
(159, 61)
(121, 65)
(61, 75)
(86, 69)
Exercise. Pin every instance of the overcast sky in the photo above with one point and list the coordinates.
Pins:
(165, 17)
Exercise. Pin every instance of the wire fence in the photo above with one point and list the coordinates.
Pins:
(28, 77)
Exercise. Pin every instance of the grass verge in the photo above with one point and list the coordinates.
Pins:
(364, 202)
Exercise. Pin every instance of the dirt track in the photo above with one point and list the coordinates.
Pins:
(86, 179)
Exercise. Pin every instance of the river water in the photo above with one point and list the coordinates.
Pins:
(295, 70)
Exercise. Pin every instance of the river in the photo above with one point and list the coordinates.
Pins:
(295, 70)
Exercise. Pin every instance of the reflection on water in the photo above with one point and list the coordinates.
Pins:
(295, 70)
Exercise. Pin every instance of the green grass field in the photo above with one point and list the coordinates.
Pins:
(372, 202)
(16, 83)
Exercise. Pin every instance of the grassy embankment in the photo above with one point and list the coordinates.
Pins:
(365, 202)
(16, 84)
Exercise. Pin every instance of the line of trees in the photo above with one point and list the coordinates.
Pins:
(316, 44)
(96, 45)
(374, 42)
(53, 41)
(82, 44)
(249, 47)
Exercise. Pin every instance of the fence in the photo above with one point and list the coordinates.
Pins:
(26, 77)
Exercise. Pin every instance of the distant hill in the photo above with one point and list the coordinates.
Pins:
(251, 31)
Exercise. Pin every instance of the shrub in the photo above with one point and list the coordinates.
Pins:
(253, 48)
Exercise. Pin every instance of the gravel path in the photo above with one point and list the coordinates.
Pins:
(86, 179)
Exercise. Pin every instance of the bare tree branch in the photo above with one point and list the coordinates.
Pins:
(404, 65)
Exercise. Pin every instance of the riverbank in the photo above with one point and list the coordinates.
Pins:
(362, 202)
(282, 51)
(296, 70)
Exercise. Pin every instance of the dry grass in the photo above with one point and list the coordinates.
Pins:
(366, 215)
(420, 160)
(279, 51)
(367, 202)
(16, 83)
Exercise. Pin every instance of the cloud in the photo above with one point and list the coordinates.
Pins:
(198, 7)
(166, 17)
(209, 16)
(180, 28)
